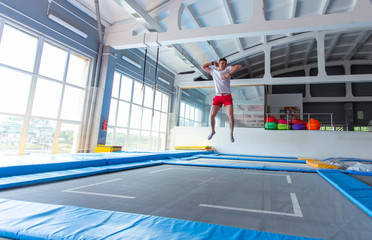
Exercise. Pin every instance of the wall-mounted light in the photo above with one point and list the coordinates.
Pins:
(164, 81)
(131, 61)
(67, 25)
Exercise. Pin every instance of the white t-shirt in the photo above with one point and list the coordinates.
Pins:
(221, 86)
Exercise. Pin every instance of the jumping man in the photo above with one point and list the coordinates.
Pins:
(221, 77)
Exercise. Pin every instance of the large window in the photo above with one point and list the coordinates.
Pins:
(137, 122)
(42, 94)
(190, 115)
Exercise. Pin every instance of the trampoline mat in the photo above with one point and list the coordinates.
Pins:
(293, 203)
(257, 157)
(229, 162)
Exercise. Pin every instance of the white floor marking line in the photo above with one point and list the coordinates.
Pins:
(208, 180)
(289, 180)
(191, 169)
(161, 170)
(296, 208)
(73, 190)
(100, 194)
(94, 184)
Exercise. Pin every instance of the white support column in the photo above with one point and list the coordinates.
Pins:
(349, 90)
(267, 52)
(321, 55)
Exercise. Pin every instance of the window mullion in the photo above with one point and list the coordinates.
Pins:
(27, 118)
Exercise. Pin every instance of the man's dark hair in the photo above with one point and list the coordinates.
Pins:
(223, 59)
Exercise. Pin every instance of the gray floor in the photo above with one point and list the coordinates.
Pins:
(301, 204)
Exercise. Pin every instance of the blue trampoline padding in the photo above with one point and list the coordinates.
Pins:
(256, 159)
(353, 172)
(52, 162)
(250, 166)
(27, 220)
(47, 167)
(23, 180)
(356, 191)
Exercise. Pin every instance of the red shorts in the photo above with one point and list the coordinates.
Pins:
(222, 100)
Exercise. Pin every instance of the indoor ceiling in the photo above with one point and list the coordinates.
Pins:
(290, 51)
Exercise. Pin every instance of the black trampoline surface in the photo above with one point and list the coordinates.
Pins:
(293, 203)
(248, 162)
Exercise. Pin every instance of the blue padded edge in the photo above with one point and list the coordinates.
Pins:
(74, 161)
(251, 166)
(26, 220)
(256, 159)
(229, 154)
(353, 172)
(17, 181)
(356, 191)
(48, 167)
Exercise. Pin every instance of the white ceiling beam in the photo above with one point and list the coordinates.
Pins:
(292, 11)
(357, 44)
(323, 7)
(187, 83)
(307, 57)
(231, 21)
(249, 68)
(197, 23)
(333, 44)
(133, 8)
(122, 38)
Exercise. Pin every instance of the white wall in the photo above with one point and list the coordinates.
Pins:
(258, 141)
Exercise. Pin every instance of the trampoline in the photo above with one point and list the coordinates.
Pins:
(200, 201)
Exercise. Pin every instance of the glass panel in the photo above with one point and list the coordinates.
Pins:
(164, 105)
(14, 90)
(163, 122)
(162, 141)
(73, 101)
(47, 98)
(147, 116)
(136, 116)
(249, 106)
(40, 136)
(112, 114)
(123, 114)
(137, 93)
(133, 139)
(10, 133)
(149, 97)
(144, 141)
(120, 137)
(116, 85)
(77, 70)
(109, 136)
(53, 62)
(157, 105)
(154, 141)
(156, 121)
(68, 138)
(18, 49)
(182, 110)
(126, 88)
(187, 111)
